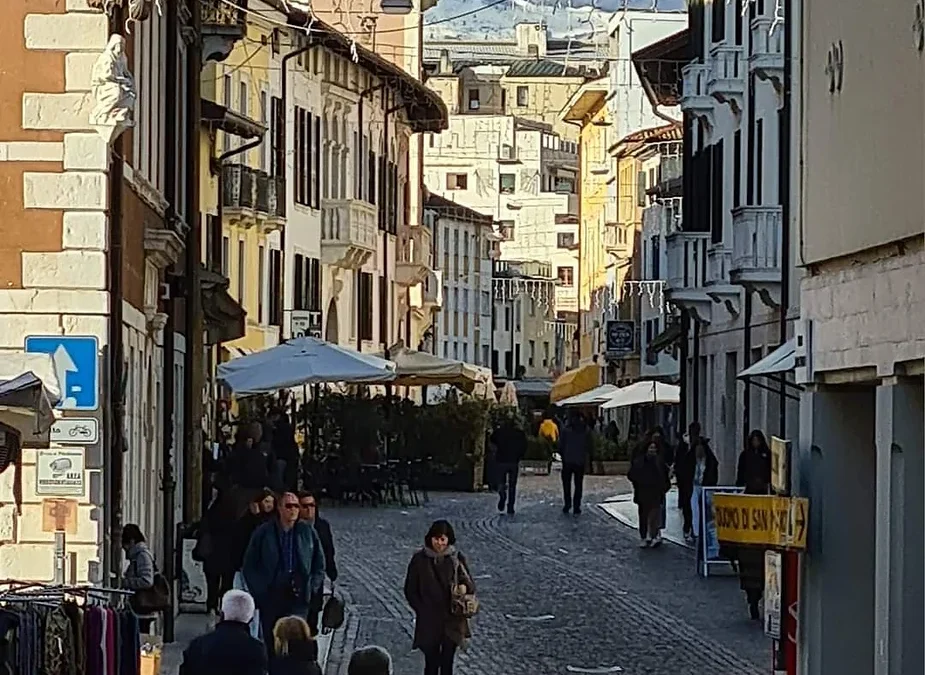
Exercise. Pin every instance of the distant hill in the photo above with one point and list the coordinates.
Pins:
(565, 18)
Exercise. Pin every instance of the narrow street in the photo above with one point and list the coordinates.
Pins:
(611, 603)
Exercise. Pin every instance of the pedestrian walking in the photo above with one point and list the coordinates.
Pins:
(575, 448)
(139, 575)
(370, 661)
(308, 512)
(283, 566)
(548, 427)
(229, 649)
(754, 474)
(510, 443)
(437, 587)
(685, 465)
(698, 469)
(260, 511)
(649, 477)
(295, 648)
(214, 543)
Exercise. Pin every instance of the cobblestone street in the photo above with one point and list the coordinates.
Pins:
(612, 603)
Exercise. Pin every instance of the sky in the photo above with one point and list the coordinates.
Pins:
(563, 17)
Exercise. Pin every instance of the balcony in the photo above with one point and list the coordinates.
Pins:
(349, 232)
(239, 193)
(432, 291)
(508, 154)
(727, 76)
(756, 241)
(414, 258)
(767, 59)
(687, 273)
(719, 286)
(616, 241)
(695, 98)
(223, 25)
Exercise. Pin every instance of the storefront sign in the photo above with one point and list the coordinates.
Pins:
(305, 323)
(59, 472)
(621, 338)
(761, 520)
(702, 504)
(780, 470)
(773, 576)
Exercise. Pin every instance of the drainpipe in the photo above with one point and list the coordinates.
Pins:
(361, 168)
(784, 189)
(747, 348)
(168, 483)
(193, 324)
(116, 417)
(281, 163)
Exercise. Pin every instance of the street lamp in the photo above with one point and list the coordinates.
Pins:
(396, 6)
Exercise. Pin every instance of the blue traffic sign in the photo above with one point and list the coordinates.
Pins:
(76, 365)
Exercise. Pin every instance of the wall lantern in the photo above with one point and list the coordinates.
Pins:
(397, 6)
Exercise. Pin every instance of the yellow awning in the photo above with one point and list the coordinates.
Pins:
(574, 382)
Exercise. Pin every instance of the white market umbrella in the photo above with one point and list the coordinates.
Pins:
(593, 397)
(643, 393)
(304, 360)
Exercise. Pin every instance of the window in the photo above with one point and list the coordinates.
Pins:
(759, 160)
(473, 99)
(740, 17)
(226, 254)
(565, 240)
(457, 181)
(545, 354)
(656, 258)
(531, 352)
(506, 228)
(531, 307)
(507, 318)
(365, 292)
(504, 101)
(242, 98)
(517, 316)
(737, 168)
(565, 275)
(465, 355)
(523, 95)
(719, 21)
(456, 350)
(277, 152)
(262, 151)
(226, 100)
(485, 356)
(506, 183)
(383, 314)
(717, 215)
(241, 271)
(641, 188)
(486, 303)
(261, 282)
(446, 349)
(303, 148)
(276, 289)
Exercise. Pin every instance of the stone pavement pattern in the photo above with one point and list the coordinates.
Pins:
(612, 603)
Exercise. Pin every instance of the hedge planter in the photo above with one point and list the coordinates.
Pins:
(535, 467)
(615, 468)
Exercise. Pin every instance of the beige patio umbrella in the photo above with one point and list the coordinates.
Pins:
(420, 369)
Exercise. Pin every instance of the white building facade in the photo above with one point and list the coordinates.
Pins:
(465, 246)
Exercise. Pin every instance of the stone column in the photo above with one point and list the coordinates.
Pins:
(899, 559)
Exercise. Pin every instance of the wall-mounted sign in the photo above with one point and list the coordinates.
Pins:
(74, 431)
(59, 515)
(761, 520)
(305, 323)
(780, 458)
(620, 338)
(59, 472)
(773, 575)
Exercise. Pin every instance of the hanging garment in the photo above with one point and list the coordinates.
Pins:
(93, 639)
(129, 644)
(112, 659)
(57, 644)
(75, 619)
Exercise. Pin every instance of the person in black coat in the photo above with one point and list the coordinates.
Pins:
(229, 649)
(754, 474)
(297, 651)
(510, 444)
(308, 511)
(650, 480)
(435, 574)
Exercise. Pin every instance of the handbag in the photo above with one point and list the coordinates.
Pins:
(155, 599)
(332, 616)
(463, 605)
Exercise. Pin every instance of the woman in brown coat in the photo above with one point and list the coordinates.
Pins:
(435, 573)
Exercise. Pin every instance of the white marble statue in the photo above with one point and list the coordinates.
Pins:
(113, 91)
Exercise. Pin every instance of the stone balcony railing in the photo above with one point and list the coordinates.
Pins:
(349, 232)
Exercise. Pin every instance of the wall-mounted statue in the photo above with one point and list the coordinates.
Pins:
(113, 91)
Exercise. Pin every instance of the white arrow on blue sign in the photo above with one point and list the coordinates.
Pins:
(76, 360)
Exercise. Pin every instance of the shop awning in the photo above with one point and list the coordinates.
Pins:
(574, 382)
(594, 396)
(774, 367)
(29, 388)
(644, 393)
(666, 338)
(781, 360)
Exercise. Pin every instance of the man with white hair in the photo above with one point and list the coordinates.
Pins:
(229, 649)
(370, 661)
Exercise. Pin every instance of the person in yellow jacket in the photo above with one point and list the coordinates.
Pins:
(549, 429)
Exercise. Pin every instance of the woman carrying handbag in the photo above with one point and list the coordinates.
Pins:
(440, 591)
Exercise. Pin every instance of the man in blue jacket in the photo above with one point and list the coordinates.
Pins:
(283, 566)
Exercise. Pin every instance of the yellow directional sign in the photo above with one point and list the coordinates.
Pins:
(765, 520)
